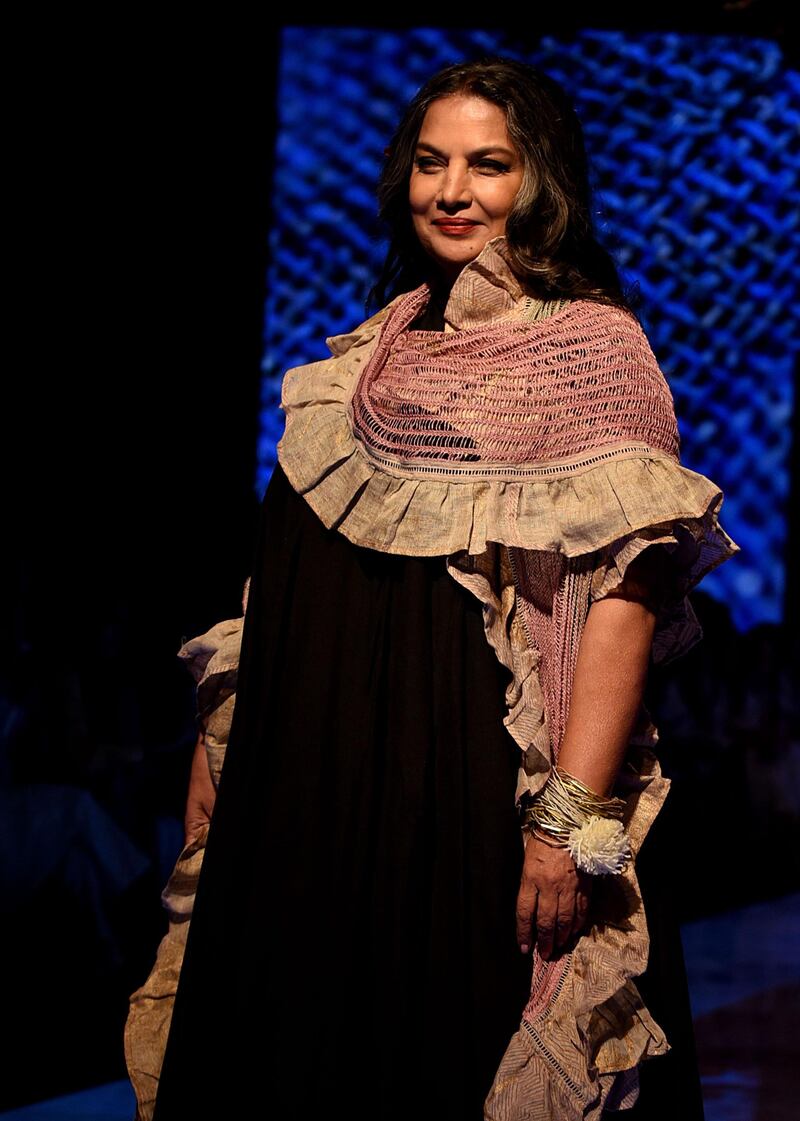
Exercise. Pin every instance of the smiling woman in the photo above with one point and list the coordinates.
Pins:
(466, 176)
(419, 896)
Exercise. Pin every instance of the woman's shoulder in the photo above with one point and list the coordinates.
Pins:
(604, 315)
(340, 344)
(604, 328)
(315, 385)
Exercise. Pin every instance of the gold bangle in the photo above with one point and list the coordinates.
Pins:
(565, 803)
(591, 801)
(568, 814)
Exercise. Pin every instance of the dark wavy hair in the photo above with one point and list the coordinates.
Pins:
(553, 247)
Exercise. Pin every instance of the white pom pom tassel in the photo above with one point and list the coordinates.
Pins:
(600, 846)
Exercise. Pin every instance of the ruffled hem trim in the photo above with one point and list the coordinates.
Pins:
(695, 547)
(490, 579)
(178, 895)
(213, 661)
(150, 1009)
(214, 653)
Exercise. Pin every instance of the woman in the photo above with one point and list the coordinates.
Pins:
(477, 536)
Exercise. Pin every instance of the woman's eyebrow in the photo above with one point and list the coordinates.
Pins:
(476, 155)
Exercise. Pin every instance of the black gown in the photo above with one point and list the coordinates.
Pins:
(353, 940)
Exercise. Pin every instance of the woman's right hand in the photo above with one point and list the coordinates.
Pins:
(553, 899)
(202, 794)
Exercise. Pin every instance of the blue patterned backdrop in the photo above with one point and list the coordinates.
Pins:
(694, 141)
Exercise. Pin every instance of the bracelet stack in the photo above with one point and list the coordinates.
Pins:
(568, 814)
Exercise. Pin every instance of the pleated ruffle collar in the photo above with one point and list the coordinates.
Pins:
(485, 290)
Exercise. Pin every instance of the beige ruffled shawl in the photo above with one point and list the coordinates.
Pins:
(537, 519)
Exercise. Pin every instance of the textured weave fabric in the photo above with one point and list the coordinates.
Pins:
(513, 392)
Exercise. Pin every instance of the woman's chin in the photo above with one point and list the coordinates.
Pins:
(450, 260)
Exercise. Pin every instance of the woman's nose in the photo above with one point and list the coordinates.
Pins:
(455, 187)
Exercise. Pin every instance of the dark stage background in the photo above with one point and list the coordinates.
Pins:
(198, 217)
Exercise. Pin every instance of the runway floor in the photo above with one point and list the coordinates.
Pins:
(744, 977)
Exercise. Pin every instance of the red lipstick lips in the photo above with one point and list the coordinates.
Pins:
(454, 225)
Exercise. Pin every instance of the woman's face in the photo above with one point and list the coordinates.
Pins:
(465, 177)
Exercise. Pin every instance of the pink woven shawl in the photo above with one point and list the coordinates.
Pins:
(511, 392)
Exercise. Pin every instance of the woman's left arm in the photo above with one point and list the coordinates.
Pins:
(610, 676)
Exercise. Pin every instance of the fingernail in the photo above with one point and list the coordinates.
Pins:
(524, 947)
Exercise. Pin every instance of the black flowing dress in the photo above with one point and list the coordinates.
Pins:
(352, 945)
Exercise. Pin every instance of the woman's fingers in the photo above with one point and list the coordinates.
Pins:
(581, 908)
(583, 900)
(553, 898)
(565, 915)
(527, 905)
(546, 921)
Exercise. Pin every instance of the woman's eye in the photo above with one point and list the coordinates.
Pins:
(494, 167)
(426, 163)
